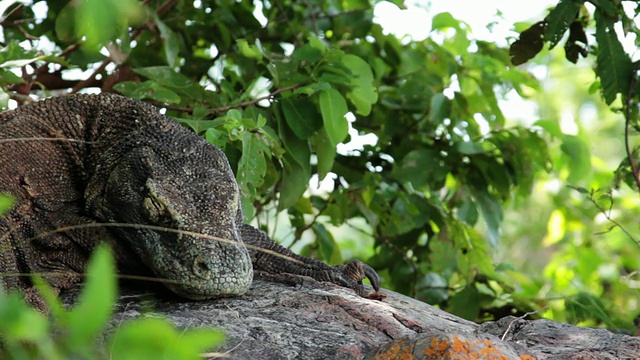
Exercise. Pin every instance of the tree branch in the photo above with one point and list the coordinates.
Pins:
(254, 101)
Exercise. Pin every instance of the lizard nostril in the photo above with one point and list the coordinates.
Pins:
(201, 269)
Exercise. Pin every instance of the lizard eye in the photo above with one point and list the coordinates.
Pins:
(157, 212)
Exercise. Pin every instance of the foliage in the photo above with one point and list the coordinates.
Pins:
(434, 162)
(76, 333)
(603, 266)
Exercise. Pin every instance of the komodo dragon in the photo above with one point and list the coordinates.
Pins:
(95, 159)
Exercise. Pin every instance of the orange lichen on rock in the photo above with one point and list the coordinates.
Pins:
(401, 349)
(449, 346)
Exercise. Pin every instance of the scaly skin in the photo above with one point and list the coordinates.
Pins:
(83, 159)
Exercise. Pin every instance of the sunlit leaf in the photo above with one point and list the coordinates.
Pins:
(364, 93)
(443, 21)
(96, 300)
(158, 339)
(100, 20)
(333, 108)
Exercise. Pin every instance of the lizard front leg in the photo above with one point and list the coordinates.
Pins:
(271, 258)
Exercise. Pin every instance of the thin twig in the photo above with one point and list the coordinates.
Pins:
(286, 18)
(254, 101)
(520, 318)
(607, 215)
(162, 229)
(223, 109)
(11, 13)
(82, 84)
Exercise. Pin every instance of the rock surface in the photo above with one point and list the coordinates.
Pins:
(323, 321)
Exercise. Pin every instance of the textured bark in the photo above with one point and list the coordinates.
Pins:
(323, 321)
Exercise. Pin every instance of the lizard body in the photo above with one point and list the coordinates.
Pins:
(75, 162)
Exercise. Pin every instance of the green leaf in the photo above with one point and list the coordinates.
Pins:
(579, 158)
(297, 167)
(316, 43)
(614, 68)
(444, 21)
(470, 148)
(298, 149)
(51, 298)
(432, 288)
(364, 94)
(325, 152)
(528, 44)
(19, 322)
(328, 249)
(468, 212)
(252, 168)
(148, 90)
(65, 23)
(170, 41)
(295, 180)
(409, 213)
(94, 305)
(355, 24)
(440, 108)
(472, 255)
(100, 20)
(201, 125)
(466, 303)
(167, 77)
(333, 108)
(8, 77)
(559, 20)
(492, 215)
(6, 202)
(551, 126)
(584, 306)
(579, 189)
(421, 167)
(302, 116)
(250, 51)
(307, 53)
(152, 338)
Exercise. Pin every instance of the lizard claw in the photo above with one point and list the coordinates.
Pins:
(372, 275)
(357, 271)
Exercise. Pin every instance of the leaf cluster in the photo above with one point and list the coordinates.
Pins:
(613, 65)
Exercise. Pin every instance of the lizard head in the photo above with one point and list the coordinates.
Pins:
(186, 200)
